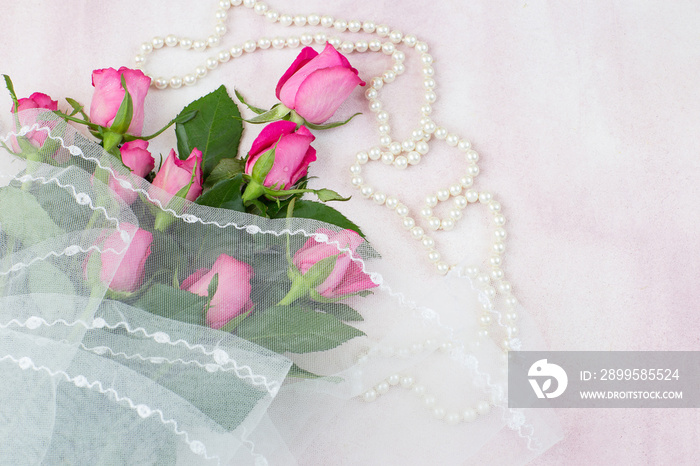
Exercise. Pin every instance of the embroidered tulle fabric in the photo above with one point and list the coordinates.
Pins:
(91, 380)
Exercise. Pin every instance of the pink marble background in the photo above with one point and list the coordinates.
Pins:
(586, 116)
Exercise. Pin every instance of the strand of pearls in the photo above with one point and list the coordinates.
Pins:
(401, 155)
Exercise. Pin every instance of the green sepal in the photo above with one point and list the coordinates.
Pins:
(77, 107)
(277, 112)
(264, 164)
(329, 125)
(122, 119)
(319, 272)
(257, 110)
(11, 90)
(325, 195)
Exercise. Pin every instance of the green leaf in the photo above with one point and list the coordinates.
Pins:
(318, 211)
(77, 107)
(293, 329)
(225, 170)
(214, 130)
(298, 372)
(257, 110)
(46, 278)
(340, 310)
(22, 217)
(225, 194)
(329, 125)
(325, 195)
(11, 90)
(180, 305)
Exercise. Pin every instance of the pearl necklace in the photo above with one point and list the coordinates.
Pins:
(398, 154)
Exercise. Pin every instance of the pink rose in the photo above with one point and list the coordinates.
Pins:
(39, 101)
(232, 296)
(123, 271)
(347, 276)
(175, 174)
(109, 94)
(316, 84)
(136, 157)
(293, 153)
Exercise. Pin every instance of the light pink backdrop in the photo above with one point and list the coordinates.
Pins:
(586, 117)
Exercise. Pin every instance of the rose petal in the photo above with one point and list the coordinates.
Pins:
(306, 55)
(290, 153)
(270, 134)
(329, 58)
(323, 91)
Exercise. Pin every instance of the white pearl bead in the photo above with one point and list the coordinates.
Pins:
(410, 40)
(356, 181)
(366, 191)
(395, 36)
(442, 268)
(236, 2)
(313, 19)
(497, 274)
(300, 20)
(408, 223)
(483, 408)
(335, 42)
(499, 248)
(428, 71)
(429, 401)
(433, 256)
(395, 148)
(440, 133)
(306, 38)
(375, 45)
(278, 43)
(286, 20)
(413, 157)
(361, 45)
(293, 42)
(426, 212)
(199, 45)
(368, 26)
(320, 38)
(417, 232)
(391, 202)
(455, 214)
(431, 200)
(434, 223)
(469, 415)
(387, 158)
(171, 40)
(382, 388)
(400, 162)
(466, 181)
(452, 139)
(401, 210)
(443, 194)
(175, 82)
(388, 48)
(452, 418)
(383, 30)
(393, 379)
(447, 223)
(388, 76)
(272, 15)
(236, 51)
(362, 157)
(355, 169)
(379, 198)
(426, 109)
(212, 63)
(347, 47)
(225, 4)
(460, 202)
(485, 197)
(160, 83)
(340, 25)
(439, 413)
(496, 261)
(407, 381)
(250, 46)
(384, 129)
(418, 390)
(377, 83)
(504, 287)
(200, 71)
(464, 145)
(213, 41)
(399, 68)
(185, 43)
(499, 220)
(224, 56)
(472, 170)
(385, 139)
(369, 395)
(327, 21)
(428, 242)
(354, 25)
(139, 59)
(146, 47)
(422, 47)
(455, 190)
(408, 145)
(189, 80)
(472, 196)
(422, 147)
(430, 96)
(158, 42)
